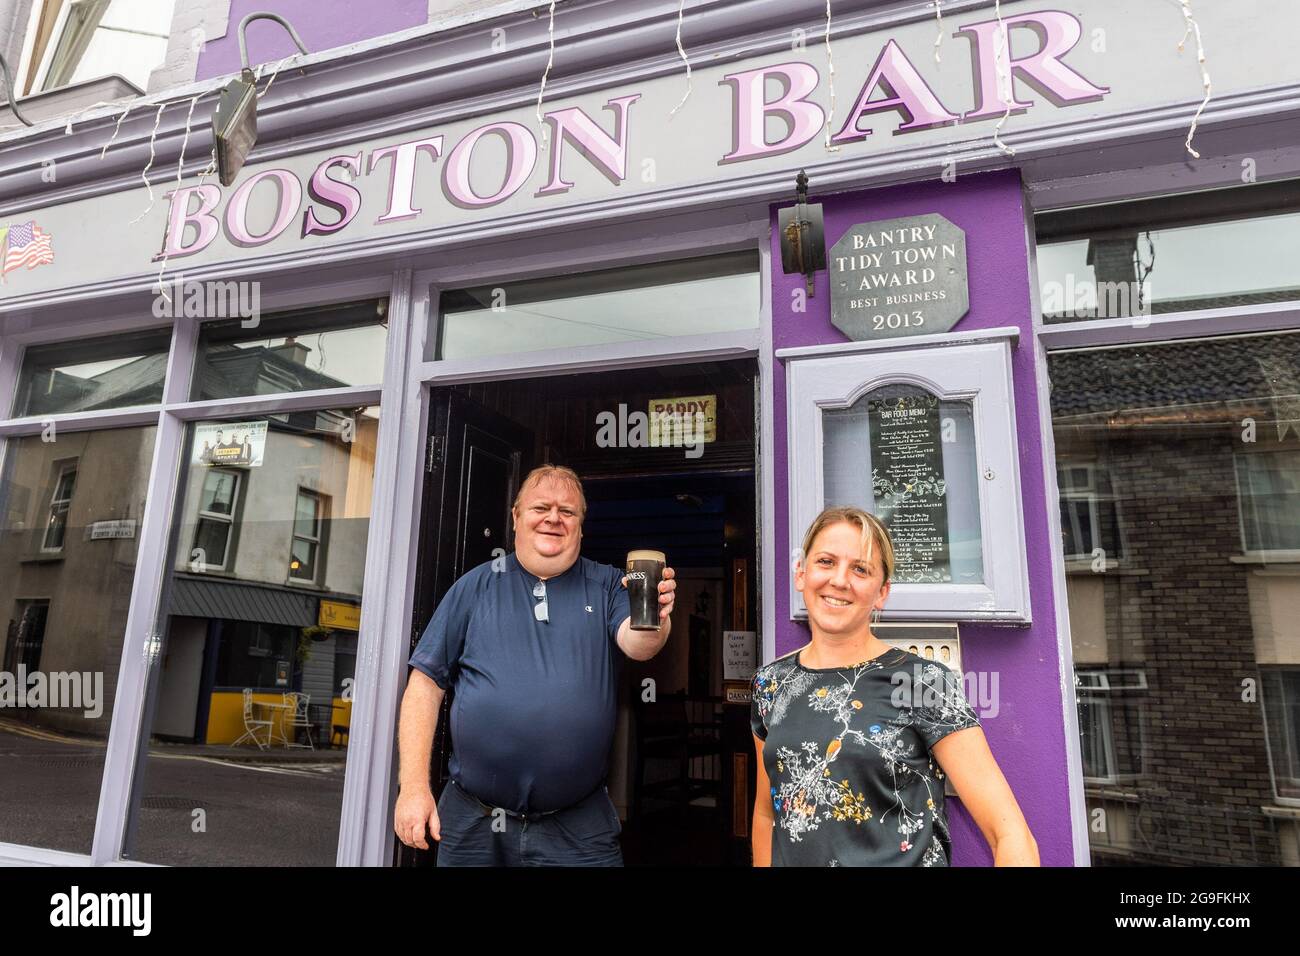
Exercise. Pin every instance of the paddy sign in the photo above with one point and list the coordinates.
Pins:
(689, 418)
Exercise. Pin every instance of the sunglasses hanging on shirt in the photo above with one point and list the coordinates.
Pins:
(540, 611)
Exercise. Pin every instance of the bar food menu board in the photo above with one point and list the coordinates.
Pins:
(907, 483)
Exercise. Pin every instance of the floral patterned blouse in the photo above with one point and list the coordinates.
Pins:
(847, 752)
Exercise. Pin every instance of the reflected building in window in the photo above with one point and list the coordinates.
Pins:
(72, 508)
(269, 562)
(1180, 513)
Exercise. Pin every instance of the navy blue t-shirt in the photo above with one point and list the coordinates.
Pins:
(535, 703)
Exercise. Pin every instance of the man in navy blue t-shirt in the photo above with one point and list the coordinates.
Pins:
(530, 642)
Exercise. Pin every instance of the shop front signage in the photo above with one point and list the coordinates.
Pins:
(899, 277)
(110, 529)
(230, 443)
(472, 170)
(739, 655)
(340, 616)
(686, 418)
(766, 115)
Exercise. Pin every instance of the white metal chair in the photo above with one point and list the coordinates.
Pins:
(296, 717)
(251, 725)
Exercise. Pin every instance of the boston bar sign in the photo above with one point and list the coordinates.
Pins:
(508, 163)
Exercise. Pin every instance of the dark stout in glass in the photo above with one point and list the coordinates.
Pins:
(645, 569)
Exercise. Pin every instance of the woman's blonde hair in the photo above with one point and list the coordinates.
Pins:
(874, 534)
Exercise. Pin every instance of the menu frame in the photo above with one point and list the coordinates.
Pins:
(974, 367)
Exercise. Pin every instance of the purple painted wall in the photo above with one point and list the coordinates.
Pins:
(322, 24)
(1027, 735)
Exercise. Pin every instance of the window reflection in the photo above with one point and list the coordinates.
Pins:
(1154, 257)
(1177, 466)
(1269, 484)
(326, 347)
(71, 514)
(87, 375)
(103, 37)
(685, 297)
(251, 697)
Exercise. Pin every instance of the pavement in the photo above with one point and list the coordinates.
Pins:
(198, 804)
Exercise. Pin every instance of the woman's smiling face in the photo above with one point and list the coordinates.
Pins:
(840, 584)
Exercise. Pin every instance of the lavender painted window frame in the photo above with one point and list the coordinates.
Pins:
(1046, 165)
(365, 826)
(128, 739)
(1063, 187)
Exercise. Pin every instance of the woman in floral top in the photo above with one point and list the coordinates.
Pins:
(854, 737)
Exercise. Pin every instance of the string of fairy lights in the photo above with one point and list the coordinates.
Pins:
(1194, 28)
(681, 50)
(830, 81)
(1002, 66)
(938, 39)
(550, 61)
(1002, 61)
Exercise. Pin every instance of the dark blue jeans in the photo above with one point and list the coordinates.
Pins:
(585, 834)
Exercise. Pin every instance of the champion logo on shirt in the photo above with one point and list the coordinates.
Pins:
(588, 608)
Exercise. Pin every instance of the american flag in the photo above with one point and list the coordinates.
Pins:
(25, 245)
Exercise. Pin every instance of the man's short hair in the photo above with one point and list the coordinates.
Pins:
(557, 472)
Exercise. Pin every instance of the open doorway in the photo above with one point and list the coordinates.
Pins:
(681, 766)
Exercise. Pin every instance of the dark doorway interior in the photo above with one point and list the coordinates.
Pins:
(681, 769)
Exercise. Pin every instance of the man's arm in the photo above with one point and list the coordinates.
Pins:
(643, 645)
(416, 808)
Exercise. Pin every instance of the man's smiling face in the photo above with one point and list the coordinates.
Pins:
(548, 526)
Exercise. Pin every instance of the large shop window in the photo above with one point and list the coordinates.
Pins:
(1186, 639)
(685, 297)
(307, 351)
(93, 374)
(71, 515)
(1218, 249)
(258, 623)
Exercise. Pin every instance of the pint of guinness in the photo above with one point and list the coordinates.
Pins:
(645, 569)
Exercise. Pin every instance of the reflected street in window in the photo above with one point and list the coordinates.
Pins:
(72, 509)
(250, 697)
(1180, 521)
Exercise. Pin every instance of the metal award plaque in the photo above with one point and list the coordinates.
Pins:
(899, 277)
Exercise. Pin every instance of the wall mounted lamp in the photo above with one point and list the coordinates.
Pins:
(803, 236)
(234, 124)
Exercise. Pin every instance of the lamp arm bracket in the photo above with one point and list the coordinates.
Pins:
(9, 88)
(264, 15)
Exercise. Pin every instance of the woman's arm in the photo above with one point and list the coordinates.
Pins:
(984, 791)
(761, 831)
